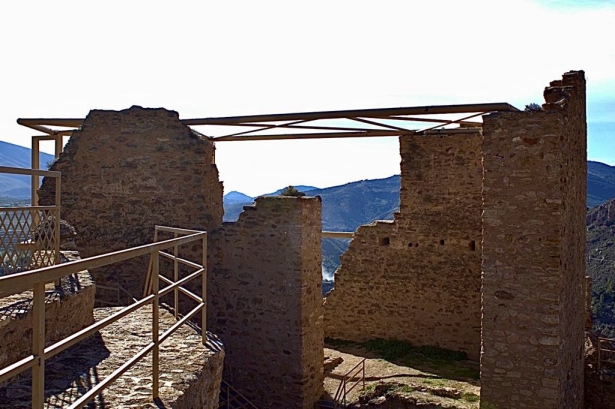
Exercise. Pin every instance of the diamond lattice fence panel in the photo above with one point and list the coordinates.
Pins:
(27, 238)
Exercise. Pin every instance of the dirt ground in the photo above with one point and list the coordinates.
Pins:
(427, 384)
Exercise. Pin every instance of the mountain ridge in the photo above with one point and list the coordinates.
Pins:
(18, 186)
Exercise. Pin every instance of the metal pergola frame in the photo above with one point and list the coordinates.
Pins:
(369, 122)
(358, 123)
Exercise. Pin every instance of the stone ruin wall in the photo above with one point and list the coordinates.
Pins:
(68, 309)
(417, 279)
(123, 172)
(533, 252)
(266, 301)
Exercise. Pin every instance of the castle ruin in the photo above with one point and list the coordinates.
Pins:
(485, 256)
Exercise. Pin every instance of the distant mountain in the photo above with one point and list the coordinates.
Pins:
(235, 201)
(18, 186)
(236, 197)
(600, 183)
(601, 265)
(346, 207)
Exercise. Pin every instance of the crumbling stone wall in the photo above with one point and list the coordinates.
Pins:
(68, 309)
(124, 172)
(266, 303)
(417, 278)
(533, 252)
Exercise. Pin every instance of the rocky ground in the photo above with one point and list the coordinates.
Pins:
(393, 383)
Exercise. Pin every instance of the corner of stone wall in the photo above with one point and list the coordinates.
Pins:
(534, 193)
(265, 301)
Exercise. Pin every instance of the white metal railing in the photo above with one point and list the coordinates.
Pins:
(35, 280)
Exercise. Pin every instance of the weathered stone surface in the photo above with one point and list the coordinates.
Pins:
(266, 303)
(68, 309)
(533, 252)
(599, 393)
(417, 279)
(602, 215)
(124, 172)
(190, 374)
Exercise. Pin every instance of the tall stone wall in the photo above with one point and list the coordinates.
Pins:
(124, 172)
(266, 303)
(533, 252)
(417, 278)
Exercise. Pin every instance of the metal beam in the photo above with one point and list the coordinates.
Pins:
(366, 113)
(321, 135)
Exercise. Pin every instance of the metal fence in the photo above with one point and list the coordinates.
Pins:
(30, 235)
(35, 280)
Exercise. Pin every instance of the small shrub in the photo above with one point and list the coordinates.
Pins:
(291, 191)
(533, 107)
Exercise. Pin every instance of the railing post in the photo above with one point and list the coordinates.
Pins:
(204, 293)
(599, 358)
(59, 139)
(56, 237)
(363, 375)
(176, 278)
(35, 179)
(38, 345)
(155, 332)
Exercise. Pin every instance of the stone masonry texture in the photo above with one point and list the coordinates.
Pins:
(68, 309)
(266, 303)
(417, 278)
(190, 373)
(533, 252)
(124, 172)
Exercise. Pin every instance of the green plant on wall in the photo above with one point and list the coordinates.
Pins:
(291, 191)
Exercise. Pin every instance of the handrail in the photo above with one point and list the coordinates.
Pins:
(337, 234)
(177, 232)
(19, 282)
(238, 396)
(30, 172)
(36, 280)
(601, 359)
(339, 400)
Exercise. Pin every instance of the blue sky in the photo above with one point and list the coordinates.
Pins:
(205, 58)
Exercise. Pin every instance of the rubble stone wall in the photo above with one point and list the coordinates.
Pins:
(124, 172)
(68, 309)
(533, 252)
(265, 301)
(417, 278)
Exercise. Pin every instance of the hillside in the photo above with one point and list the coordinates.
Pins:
(18, 186)
(600, 183)
(601, 265)
(344, 208)
(348, 206)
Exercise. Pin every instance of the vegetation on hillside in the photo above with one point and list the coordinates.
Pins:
(601, 267)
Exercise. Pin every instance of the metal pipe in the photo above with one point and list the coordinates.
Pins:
(378, 112)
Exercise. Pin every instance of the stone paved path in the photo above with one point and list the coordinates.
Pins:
(185, 365)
